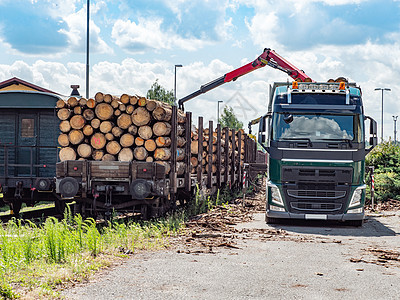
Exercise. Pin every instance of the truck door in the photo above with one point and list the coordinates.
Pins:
(26, 142)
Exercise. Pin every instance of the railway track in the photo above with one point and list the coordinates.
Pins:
(41, 213)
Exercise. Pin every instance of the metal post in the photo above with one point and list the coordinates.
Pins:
(382, 89)
(395, 127)
(219, 101)
(87, 49)
(372, 187)
(176, 66)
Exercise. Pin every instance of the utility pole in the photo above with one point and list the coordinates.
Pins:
(395, 127)
(382, 89)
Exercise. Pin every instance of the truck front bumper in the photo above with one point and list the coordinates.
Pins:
(336, 217)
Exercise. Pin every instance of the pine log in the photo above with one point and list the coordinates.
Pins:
(161, 128)
(152, 104)
(97, 154)
(145, 132)
(166, 165)
(91, 103)
(140, 116)
(162, 154)
(60, 103)
(162, 141)
(63, 140)
(77, 122)
(122, 107)
(124, 98)
(84, 150)
(194, 147)
(142, 101)
(113, 147)
(125, 154)
(162, 113)
(72, 102)
(181, 141)
(129, 109)
(132, 129)
(213, 158)
(150, 145)
(193, 161)
(108, 98)
(106, 126)
(149, 159)
(124, 121)
(75, 136)
(98, 140)
(82, 102)
(181, 130)
(65, 126)
(133, 100)
(104, 111)
(117, 112)
(88, 114)
(114, 104)
(64, 114)
(181, 116)
(109, 136)
(140, 153)
(139, 141)
(108, 157)
(180, 154)
(95, 123)
(116, 131)
(99, 97)
(180, 168)
(67, 153)
(87, 130)
(78, 110)
(127, 140)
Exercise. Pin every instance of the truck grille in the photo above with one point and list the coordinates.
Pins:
(327, 207)
(316, 194)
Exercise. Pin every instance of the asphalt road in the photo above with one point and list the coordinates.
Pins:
(304, 261)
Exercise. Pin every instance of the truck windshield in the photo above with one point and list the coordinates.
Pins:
(317, 127)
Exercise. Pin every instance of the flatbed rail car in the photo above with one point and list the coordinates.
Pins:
(101, 187)
(28, 147)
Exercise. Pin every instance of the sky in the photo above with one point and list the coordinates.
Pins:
(134, 43)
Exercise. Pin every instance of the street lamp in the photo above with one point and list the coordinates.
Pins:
(395, 127)
(382, 89)
(219, 101)
(176, 66)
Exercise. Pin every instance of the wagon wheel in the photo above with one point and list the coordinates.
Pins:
(16, 206)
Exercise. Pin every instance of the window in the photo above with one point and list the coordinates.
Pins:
(27, 128)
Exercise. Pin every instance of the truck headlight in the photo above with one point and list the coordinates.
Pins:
(357, 194)
(275, 194)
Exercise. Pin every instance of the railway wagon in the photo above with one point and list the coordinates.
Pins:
(101, 187)
(28, 147)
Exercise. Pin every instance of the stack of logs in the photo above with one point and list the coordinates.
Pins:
(122, 128)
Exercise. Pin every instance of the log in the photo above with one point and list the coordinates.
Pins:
(98, 140)
(108, 98)
(162, 154)
(77, 122)
(140, 153)
(125, 154)
(124, 121)
(88, 114)
(65, 126)
(162, 141)
(60, 103)
(180, 168)
(106, 126)
(193, 161)
(127, 140)
(213, 158)
(181, 130)
(99, 97)
(104, 111)
(72, 102)
(113, 147)
(151, 104)
(117, 112)
(181, 116)
(140, 116)
(108, 157)
(109, 136)
(162, 113)
(150, 145)
(84, 150)
(63, 140)
(91, 103)
(132, 129)
(161, 128)
(124, 98)
(75, 136)
(129, 109)
(145, 132)
(95, 123)
(77, 110)
(67, 153)
(142, 101)
(194, 147)
(87, 130)
(122, 107)
(149, 159)
(116, 131)
(133, 100)
(64, 114)
(180, 154)
(114, 104)
(139, 141)
(166, 165)
(82, 102)
(181, 141)
(97, 154)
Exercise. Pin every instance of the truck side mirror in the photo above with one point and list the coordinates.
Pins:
(261, 130)
(373, 131)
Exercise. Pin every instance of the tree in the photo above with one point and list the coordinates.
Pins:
(228, 119)
(157, 92)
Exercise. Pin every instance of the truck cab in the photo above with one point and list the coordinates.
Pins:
(314, 134)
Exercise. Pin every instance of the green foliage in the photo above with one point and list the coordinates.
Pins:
(157, 92)
(229, 119)
(385, 158)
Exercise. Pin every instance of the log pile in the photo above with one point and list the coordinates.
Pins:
(121, 128)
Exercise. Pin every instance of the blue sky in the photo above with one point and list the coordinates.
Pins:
(133, 43)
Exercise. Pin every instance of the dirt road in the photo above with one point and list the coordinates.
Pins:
(253, 260)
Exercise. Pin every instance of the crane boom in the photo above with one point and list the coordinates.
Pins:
(268, 57)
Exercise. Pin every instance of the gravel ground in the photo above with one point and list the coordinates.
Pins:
(259, 261)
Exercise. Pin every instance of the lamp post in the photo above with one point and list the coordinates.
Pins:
(176, 66)
(382, 89)
(395, 127)
(219, 101)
